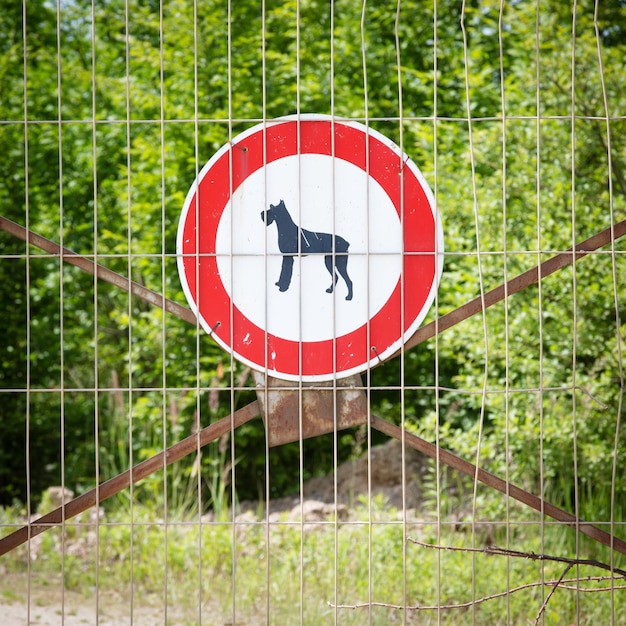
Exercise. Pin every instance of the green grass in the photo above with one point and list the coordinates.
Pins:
(292, 573)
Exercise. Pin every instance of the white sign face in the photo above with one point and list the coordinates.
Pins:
(316, 315)
(310, 248)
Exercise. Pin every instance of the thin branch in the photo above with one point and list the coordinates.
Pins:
(494, 550)
(554, 588)
(563, 584)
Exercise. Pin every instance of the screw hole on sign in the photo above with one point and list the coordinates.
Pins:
(234, 144)
(375, 351)
(339, 186)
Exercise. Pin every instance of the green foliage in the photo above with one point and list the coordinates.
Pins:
(94, 380)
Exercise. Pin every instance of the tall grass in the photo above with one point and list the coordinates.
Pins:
(291, 572)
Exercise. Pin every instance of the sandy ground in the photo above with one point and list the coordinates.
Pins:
(50, 606)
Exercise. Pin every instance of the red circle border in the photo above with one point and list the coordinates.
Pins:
(342, 355)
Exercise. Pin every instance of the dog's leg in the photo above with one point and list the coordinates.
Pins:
(341, 261)
(328, 260)
(285, 273)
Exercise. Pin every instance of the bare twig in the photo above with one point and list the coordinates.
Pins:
(494, 550)
(565, 584)
(532, 556)
(554, 588)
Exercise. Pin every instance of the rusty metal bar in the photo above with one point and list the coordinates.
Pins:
(95, 269)
(465, 311)
(122, 481)
(519, 282)
(493, 481)
(214, 431)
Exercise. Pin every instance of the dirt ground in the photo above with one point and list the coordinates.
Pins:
(49, 605)
(46, 603)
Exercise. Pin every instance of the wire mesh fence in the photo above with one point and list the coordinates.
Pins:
(162, 461)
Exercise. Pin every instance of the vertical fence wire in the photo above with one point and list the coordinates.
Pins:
(62, 430)
(267, 484)
(163, 355)
(27, 425)
(485, 375)
(335, 454)
(129, 273)
(402, 299)
(96, 369)
(620, 361)
(437, 390)
(538, 107)
(505, 279)
(233, 554)
(198, 330)
(366, 107)
(573, 111)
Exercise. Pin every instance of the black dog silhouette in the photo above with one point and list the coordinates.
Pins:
(293, 240)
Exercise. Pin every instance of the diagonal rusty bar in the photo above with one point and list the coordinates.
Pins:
(519, 282)
(95, 269)
(497, 483)
(122, 481)
(190, 444)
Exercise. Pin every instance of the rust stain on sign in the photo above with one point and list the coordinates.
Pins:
(292, 411)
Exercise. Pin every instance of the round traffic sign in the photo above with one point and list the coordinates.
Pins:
(310, 247)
